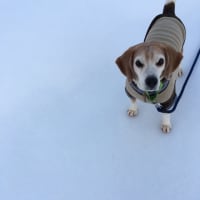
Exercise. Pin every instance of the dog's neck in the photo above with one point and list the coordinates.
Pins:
(151, 95)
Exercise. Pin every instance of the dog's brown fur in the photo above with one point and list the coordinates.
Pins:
(125, 62)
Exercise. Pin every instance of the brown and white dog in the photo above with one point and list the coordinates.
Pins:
(152, 67)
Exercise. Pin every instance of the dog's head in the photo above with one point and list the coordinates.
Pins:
(148, 63)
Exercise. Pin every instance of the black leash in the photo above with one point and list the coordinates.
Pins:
(160, 108)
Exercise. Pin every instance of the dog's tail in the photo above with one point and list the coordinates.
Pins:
(169, 8)
(170, 1)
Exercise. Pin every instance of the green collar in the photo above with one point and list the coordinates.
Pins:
(151, 96)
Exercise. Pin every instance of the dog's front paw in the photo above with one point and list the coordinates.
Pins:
(133, 109)
(132, 112)
(166, 128)
(166, 123)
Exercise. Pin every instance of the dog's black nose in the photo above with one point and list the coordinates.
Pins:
(151, 82)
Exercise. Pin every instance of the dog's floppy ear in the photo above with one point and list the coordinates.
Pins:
(173, 59)
(125, 63)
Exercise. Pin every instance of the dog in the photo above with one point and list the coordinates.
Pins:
(153, 66)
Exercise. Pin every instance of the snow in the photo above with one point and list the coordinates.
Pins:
(64, 132)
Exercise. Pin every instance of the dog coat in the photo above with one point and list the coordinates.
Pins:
(170, 31)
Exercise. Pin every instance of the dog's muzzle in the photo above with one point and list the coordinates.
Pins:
(151, 82)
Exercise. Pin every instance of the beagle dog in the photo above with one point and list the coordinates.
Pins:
(152, 67)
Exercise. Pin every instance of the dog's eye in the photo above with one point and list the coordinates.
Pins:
(160, 62)
(139, 64)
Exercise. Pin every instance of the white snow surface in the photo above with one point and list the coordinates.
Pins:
(64, 131)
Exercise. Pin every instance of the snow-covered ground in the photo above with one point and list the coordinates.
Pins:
(64, 132)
